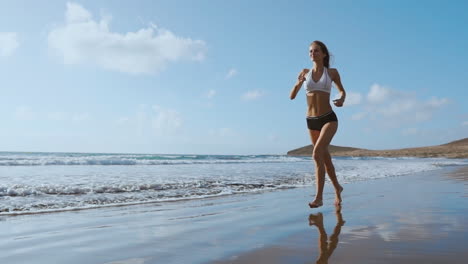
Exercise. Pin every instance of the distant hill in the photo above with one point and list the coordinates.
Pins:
(454, 149)
(307, 150)
(461, 142)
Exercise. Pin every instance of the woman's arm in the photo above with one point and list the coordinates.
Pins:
(335, 76)
(297, 86)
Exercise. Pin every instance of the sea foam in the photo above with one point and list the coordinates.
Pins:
(42, 182)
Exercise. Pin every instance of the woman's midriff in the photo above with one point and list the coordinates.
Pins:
(318, 103)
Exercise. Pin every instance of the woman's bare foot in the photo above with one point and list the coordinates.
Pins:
(338, 196)
(339, 216)
(316, 203)
(316, 219)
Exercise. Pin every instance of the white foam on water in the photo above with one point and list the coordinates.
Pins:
(44, 188)
(74, 159)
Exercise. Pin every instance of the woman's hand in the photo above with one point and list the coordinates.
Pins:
(300, 79)
(302, 75)
(335, 76)
(338, 102)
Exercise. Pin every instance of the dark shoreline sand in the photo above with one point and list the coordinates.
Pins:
(418, 218)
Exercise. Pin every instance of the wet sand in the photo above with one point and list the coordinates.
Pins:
(415, 219)
(419, 218)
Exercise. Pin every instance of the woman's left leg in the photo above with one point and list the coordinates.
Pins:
(332, 175)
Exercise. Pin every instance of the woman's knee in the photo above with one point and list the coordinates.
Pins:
(318, 155)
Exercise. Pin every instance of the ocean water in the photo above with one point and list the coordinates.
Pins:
(44, 182)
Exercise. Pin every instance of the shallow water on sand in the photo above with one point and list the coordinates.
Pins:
(417, 218)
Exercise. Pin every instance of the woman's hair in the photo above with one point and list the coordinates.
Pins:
(324, 49)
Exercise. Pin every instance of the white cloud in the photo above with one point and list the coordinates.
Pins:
(352, 99)
(465, 123)
(76, 13)
(211, 93)
(232, 72)
(359, 116)
(165, 120)
(378, 94)
(24, 113)
(435, 102)
(410, 110)
(155, 120)
(397, 107)
(83, 40)
(392, 108)
(252, 95)
(8, 43)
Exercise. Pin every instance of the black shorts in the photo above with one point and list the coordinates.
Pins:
(317, 122)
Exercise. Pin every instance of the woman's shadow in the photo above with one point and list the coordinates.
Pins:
(327, 246)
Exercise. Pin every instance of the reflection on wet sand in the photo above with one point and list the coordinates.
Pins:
(326, 246)
(460, 175)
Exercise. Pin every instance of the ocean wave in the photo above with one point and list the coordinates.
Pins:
(131, 160)
(164, 188)
(45, 198)
(26, 189)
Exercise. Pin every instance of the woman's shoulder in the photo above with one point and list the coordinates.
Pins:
(333, 72)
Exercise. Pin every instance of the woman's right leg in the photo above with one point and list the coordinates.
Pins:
(320, 149)
(319, 173)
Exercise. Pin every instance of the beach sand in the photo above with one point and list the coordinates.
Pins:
(418, 218)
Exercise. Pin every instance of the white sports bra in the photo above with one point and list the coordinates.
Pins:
(324, 84)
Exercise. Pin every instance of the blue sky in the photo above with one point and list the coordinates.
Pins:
(213, 77)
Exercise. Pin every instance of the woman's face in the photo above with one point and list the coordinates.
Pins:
(315, 53)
